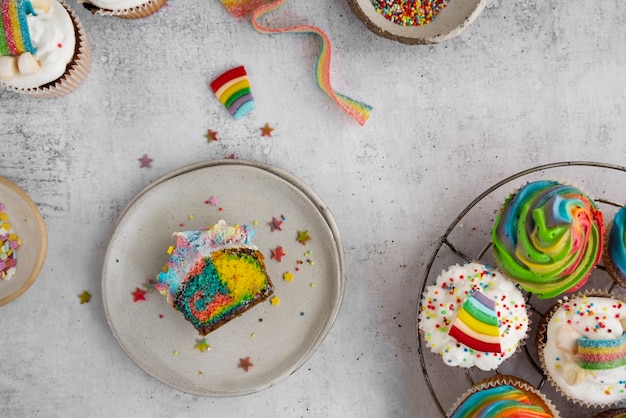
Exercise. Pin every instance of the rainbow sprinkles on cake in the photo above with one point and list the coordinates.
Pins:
(214, 275)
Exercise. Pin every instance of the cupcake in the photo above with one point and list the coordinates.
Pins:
(44, 51)
(581, 346)
(548, 238)
(614, 255)
(127, 9)
(612, 413)
(503, 396)
(473, 316)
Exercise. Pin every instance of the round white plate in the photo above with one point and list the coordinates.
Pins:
(450, 22)
(27, 223)
(278, 339)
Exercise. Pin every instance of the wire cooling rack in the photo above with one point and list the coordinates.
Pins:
(468, 238)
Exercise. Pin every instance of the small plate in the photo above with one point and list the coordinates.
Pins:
(27, 223)
(278, 339)
(450, 22)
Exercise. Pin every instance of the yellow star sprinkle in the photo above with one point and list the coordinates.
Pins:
(202, 345)
(84, 297)
(275, 300)
(288, 276)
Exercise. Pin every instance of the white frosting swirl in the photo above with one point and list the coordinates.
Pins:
(115, 4)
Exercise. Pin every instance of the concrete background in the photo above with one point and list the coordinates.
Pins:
(530, 82)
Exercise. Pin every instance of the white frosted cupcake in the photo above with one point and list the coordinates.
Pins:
(47, 53)
(473, 316)
(127, 9)
(581, 343)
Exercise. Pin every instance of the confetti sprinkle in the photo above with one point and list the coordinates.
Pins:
(359, 111)
(275, 225)
(138, 295)
(266, 130)
(278, 253)
(245, 363)
(409, 12)
(303, 237)
(211, 136)
(145, 161)
(233, 90)
(202, 345)
(84, 297)
(9, 242)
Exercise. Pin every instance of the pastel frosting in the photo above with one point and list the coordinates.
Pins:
(214, 275)
(467, 298)
(548, 237)
(616, 244)
(53, 36)
(584, 349)
(499, 402)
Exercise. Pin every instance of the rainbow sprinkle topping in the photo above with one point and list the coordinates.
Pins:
(9, 242)
(409, 12)
(233, 90)
(14, 36)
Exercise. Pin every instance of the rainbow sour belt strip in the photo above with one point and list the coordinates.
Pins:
(14, 34)
(548, 238)
(358, 110)
(499, 402)
(239, 8)
(601, 354)
(617, 243)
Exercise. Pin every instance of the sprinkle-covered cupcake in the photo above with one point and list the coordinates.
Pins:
(614, 255)
(127, 9)
(581, 343)
(473, 316)
(44, 50)
(503, 396)
(548, 238)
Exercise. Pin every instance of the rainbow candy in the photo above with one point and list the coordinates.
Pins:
(476, 324)
(358, 110)
(232, 89)
(601, 354)
(239, 8)
(14, 36)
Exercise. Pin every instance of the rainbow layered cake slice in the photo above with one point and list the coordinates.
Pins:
(214, 275)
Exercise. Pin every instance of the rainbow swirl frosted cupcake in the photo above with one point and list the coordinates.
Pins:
(214, 275)
(614, 255)
(473, 316)
(581, 343)
(503, 396)
(548, 237)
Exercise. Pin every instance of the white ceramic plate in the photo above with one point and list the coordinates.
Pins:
(450, 22)
(277, 338)
(27, 223)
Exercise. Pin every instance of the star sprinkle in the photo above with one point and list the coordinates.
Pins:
(288, 276)
(275, 300)
(245, 363)
(145, 161)
(278, 253)
(266, 130)
(211, 136)
(138, 295)
(202, 345)
(303, 237)
(149, 285)
(214, 201)
(84, 297)
(275, 224)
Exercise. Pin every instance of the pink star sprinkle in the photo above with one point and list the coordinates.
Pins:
(145, 161)
(214, 201)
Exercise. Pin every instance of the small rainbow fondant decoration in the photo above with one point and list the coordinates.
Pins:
(601, 354)
(476, 324)
(233, 90)
(239, 8)
(14, 34)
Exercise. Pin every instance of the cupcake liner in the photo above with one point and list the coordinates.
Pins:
(535, 396)
(143, 10)
(75, 72)
(611, 413)
(608, 262)
(541, 340)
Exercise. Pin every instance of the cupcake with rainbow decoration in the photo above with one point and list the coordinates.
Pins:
(473, 317)
(581, 345)
(548, 237)
(503, 396)
(126, 9)
(44, 51)
(614, 255)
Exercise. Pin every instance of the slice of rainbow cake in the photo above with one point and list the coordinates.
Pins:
(233, 90)
(214, 275)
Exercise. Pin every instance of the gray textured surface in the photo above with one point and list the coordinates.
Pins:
(530, 82)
